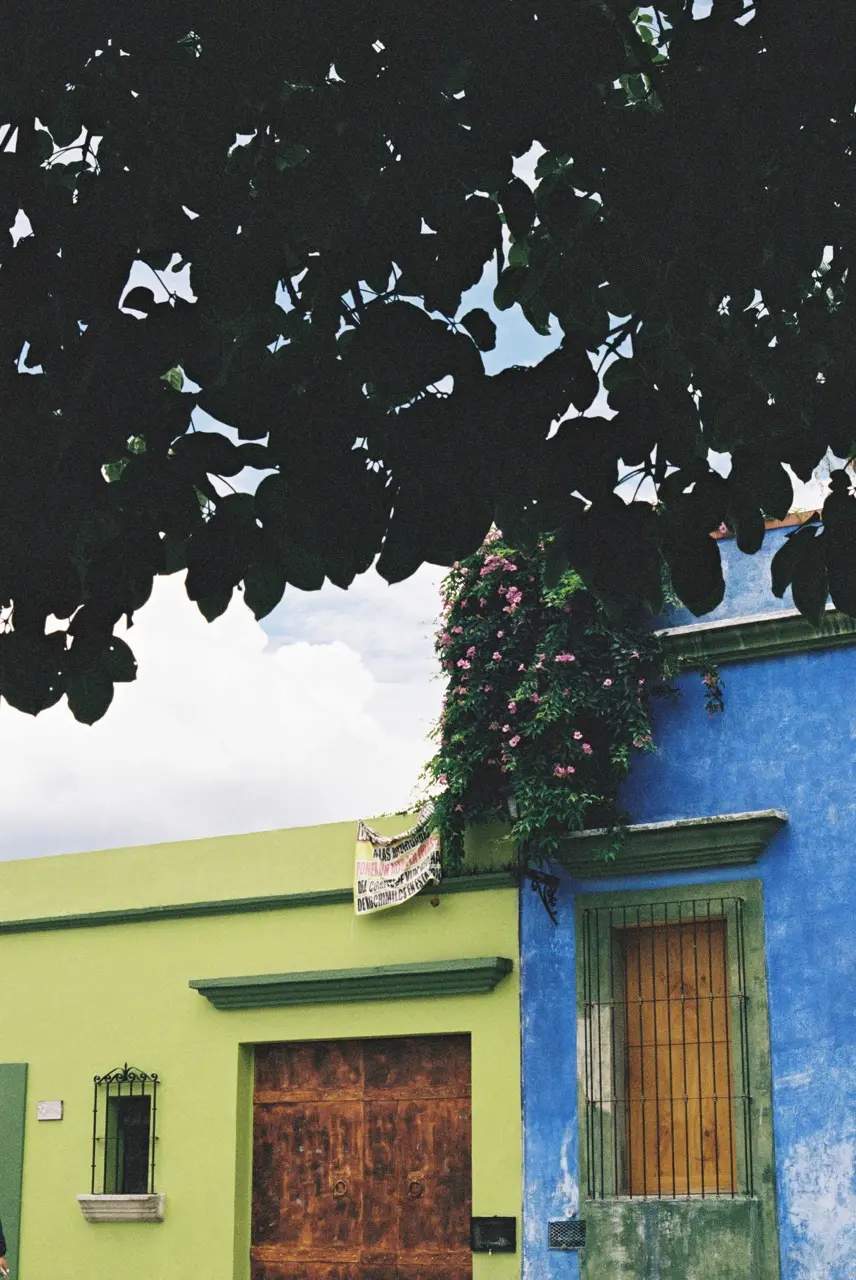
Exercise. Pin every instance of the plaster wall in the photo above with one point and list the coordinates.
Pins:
(76, 1002)
(786, 740)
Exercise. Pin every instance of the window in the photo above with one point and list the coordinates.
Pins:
(123, 1132)
(664, 1054)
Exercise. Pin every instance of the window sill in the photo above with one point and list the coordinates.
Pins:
(133, 1208)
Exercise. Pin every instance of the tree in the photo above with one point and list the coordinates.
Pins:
(693, 222)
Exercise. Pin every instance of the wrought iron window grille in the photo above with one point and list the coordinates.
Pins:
(124, 1138)
(665, 1051)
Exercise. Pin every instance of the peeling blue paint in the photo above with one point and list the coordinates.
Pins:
(786, 740)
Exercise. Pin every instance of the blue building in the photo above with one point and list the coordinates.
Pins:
(689, 1025)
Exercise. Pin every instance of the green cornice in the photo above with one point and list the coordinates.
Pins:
(238, 906)
(345, 986)
(761, 635)
(731, 839)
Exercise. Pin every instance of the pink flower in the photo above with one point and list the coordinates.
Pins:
(456, 631)
(494, 724)
(641, 682)
(488, 688)
(443, 780)
(465, 572)
(522, 667)
(463, 664)
(566, 608)
(558, 771)
(634, 654)
(577, 735)
(534, 697)
(497, 657)
(506, 728)
(471, 652)
(570, 769)
(607, 684)
(565, 657)
(500, 634)
(482, 603)
(566, 692)
(512, 742)
(587, 749)
(464, 604)
(512, 707)
(459, 808)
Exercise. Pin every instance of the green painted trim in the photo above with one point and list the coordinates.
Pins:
(761, 635)
(729, 839)
(476, 976)
(766, 1244)
(13, 1099)
(238, 906)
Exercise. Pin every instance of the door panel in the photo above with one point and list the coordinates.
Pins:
(677, 1037)
(361, 1162)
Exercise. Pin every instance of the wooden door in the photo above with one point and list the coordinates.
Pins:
(680, 1094)
(361, 1160)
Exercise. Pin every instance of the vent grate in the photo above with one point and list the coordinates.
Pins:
(567, 1233)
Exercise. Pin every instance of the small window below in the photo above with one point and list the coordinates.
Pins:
(665, 1061)
(123, 1132)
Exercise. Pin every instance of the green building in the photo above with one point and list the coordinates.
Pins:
(307, 1093)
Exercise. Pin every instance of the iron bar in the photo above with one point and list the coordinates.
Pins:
(669, 1036)
(599, 1045)
(629, 982)
(654, 1012)
(729, 1078)
(698, 1046)
(613, 1081)
(641, 1051)
(628, 1114)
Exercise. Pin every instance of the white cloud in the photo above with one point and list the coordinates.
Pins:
(225, 730)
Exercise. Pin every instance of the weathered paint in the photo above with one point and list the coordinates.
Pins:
(786, 740)
(85, 1000)
(13, 1097)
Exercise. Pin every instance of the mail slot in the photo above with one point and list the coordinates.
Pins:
(493, 1235)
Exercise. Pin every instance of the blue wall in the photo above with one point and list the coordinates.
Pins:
(786, 740)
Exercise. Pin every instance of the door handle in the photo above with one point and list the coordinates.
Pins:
(340, 1188)
(415, 1188)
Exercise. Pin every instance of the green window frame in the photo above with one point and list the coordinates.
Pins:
(604, 1177)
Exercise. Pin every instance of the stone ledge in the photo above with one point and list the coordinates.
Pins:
(759, 635)
(130, 1208)
(476, 976)
(730, 839)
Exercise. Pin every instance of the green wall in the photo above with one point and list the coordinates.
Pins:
(86, 1000)
(13, 1095)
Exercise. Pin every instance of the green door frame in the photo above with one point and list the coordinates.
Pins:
(13, 1098)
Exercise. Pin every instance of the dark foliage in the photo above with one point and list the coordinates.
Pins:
(694, 211)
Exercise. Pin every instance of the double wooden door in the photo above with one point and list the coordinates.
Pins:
(361, 1160)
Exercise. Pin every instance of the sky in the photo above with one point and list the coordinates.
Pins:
(320, 714)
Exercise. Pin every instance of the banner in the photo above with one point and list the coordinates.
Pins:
(392, 869)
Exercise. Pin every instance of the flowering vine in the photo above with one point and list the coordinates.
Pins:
(547, 698)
